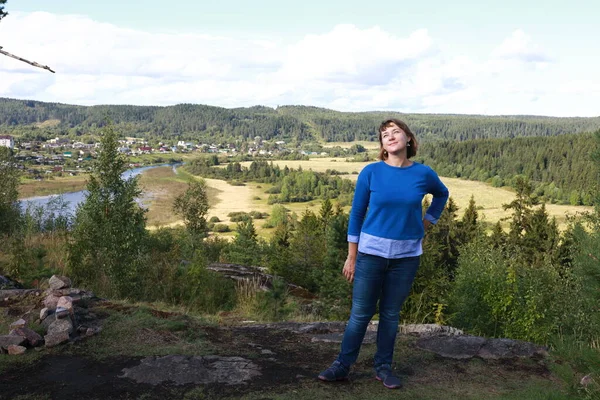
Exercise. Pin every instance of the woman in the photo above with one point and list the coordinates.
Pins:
(384, 248)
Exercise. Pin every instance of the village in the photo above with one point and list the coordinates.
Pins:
(62, 156)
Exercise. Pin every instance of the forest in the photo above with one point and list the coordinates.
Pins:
(298, 124)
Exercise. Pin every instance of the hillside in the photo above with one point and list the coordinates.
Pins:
(293, 123)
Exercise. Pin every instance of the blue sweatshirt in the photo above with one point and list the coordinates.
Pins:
(393, 227)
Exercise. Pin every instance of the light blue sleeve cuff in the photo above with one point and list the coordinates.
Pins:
(353, 239)
(431, 219)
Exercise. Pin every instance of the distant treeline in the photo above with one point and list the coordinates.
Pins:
(291, 123)
(560, 168)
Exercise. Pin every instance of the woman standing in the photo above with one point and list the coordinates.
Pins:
(384, 248)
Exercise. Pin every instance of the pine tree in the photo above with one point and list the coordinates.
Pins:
(109, 233)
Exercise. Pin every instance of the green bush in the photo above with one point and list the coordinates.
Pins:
(221, 228)
(494, 295)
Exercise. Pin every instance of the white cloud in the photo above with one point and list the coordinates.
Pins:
(519, 46)
(346, 68)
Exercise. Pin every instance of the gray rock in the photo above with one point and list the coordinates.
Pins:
(428, 329)
(456, 347)
(44, 313)
(51, 301)
(55, 339)
(508, 348)
(65, 302)
(15, 350)
(60, 325)
(33, 338)
(8, 340)
(59, 282)
(267, 352)
(62, 312)
(370, 337)
(184, 370)
(18, 324)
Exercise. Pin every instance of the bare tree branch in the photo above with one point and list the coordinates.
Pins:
(26, 61)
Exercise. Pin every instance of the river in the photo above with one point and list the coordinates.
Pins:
(71, 200)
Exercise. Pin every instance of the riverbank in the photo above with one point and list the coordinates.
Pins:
(52, 185)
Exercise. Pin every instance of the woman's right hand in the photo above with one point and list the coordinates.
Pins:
(348, 270)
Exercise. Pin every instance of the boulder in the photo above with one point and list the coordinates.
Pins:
(65, 302)
(8, 340)
(60, 325)
(55, 339)
(456, 347)
(59, 282)
(18, 324)
(15, 350)
(33, 338)
(62, 312)
(51, 301)
(44, 312)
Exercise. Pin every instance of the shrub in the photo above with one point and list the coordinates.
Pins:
(221, 228)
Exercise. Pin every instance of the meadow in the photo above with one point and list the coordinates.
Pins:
(225, 198)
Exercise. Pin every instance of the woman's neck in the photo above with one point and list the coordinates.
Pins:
(398, 160)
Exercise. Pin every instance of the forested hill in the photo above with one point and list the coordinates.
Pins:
(30, 118)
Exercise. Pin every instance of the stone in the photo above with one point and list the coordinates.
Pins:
(59, 282)
(33, 338)
(65, 302)
(455, 347)
(428, 329)
(61, 325)
(44, 313)
(51, 301)
(56, 338)
(8, 340)
(18, 324)
(370, 337)
(15, 350)
(496, 349)
(62, 312)
(185, 370)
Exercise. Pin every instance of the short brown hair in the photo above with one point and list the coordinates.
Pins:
(411, 150)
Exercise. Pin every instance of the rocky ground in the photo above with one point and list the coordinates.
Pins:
(137, 352)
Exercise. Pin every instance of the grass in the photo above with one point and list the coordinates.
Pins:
(162, 186)
(489, 199)
(53, 185)
(137, 330)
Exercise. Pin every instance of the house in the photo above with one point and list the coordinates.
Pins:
(67, 154)
(7, 141)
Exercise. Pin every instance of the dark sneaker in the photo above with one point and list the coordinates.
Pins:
(384, 374)
(337, 372)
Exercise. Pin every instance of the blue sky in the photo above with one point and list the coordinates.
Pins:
(512, 57)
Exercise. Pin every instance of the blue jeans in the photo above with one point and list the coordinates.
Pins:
(389, 281)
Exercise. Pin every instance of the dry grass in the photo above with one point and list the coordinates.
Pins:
(49, 123)
(162, 186)
(489, 199)
(55, 185)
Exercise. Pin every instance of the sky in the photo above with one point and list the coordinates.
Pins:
(460, 57)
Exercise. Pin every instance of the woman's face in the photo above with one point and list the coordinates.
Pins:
(394, 139)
